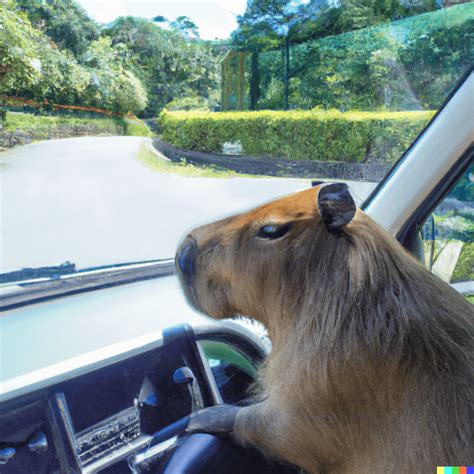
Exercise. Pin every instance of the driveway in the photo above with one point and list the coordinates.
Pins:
(90, 201)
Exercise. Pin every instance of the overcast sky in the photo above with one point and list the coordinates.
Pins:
(215, 18)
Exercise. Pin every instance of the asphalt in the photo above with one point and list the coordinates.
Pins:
(89, 201)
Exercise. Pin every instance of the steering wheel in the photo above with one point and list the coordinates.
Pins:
(205, 446)
(202, 453)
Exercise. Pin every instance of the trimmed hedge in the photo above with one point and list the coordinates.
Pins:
(300, 135)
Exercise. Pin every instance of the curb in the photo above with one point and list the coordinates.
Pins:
(277, 166)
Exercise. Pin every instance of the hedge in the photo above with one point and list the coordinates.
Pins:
(300, 135)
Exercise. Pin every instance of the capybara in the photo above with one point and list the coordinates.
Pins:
(371, 367)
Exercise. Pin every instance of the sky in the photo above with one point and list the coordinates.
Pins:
(215, 18)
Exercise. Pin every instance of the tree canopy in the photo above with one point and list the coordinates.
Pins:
(266, 23)
(51, 50)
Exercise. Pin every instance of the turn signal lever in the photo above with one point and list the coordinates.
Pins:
(158, 407)
(185, 376)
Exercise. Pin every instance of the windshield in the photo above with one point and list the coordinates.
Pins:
(123, 125)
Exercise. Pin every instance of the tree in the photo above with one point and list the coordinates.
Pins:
(64, 21)
(19, 63)
(270, 24)
(111, 85)
(185, 26)
(278, 24)
(169, 65)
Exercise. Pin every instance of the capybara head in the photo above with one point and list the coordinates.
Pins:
(257, 264)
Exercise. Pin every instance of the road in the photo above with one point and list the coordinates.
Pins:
(90, 201)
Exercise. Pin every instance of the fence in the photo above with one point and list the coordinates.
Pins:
(19, 104)
(409, 64)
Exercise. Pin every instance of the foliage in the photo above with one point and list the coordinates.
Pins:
(111, 85)
(42, 127)
(18, 56)
(189, 103)
(136, 127)
(186, 27)
(167, 63)
(455, 225)
(408, 64)
(266, 23)
(302, 135)
(351, 15)
(64, 21)
(464, 189)
(32, 67)
(464, 270)
(162, 164)
(132, 65)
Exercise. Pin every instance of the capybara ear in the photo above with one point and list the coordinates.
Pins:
(336, 206)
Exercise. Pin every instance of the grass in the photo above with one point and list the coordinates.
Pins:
(464, 270)
(135, 127)
(160, 163)
(43, 126)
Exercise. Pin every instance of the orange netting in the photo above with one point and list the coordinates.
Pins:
(20, 101)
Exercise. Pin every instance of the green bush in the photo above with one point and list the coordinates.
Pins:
(301, 135)
(189, 103)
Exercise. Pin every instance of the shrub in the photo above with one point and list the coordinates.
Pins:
(301, 135)
(189, 103)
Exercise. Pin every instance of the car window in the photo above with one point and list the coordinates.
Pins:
(232, 370)
(123, 125)
(448, 236)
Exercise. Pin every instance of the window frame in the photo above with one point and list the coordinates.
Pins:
(408, 233)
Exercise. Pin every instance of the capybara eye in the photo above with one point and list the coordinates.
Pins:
(273, 231)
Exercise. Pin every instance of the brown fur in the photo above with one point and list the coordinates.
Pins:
(371, 368)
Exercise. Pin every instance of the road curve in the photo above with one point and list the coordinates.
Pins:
(90, 201)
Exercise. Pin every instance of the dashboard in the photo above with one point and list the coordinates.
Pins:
(126, 415)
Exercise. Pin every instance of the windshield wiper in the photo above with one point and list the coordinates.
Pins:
(55, 272)
(48, 282)
(51, 272)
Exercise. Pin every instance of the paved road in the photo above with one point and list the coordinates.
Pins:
(90, 201)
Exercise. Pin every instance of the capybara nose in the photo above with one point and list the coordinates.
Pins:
(187, 257)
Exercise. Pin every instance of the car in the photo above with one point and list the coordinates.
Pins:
(78, 395)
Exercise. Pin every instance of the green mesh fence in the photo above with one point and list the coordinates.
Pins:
(410, 64)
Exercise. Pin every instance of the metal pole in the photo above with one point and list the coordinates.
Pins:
(287, 70)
